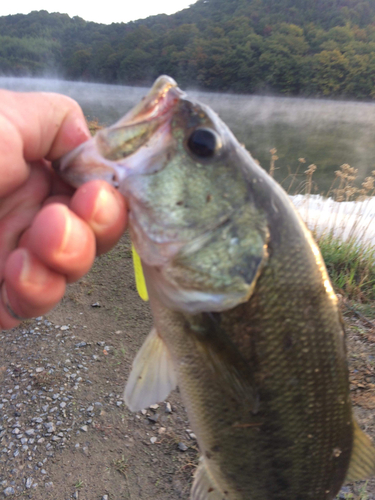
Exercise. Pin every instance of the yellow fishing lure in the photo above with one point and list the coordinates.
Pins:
(139, 276)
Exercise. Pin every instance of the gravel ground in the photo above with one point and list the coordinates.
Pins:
(64, 429)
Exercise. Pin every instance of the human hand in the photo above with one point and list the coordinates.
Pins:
(49, 234)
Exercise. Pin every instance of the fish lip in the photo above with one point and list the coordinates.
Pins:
(163, 95)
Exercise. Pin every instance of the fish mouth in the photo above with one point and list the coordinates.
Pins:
(112, 154)
(156, 103)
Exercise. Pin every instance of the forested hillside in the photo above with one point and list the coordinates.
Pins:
(290, 47)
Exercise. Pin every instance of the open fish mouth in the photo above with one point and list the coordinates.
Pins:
(157, 102)
(109, 155)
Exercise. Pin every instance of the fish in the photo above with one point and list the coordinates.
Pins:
(246, 322)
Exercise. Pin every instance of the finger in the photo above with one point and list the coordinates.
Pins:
(29, 288)
(62, 241)
(18, 209)
(58, 198)
(24, 239)
(7, 318)
(104, 210)
(34, 126)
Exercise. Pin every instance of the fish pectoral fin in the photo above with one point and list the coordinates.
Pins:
(362, 460)
(152, 377)
(203, 487)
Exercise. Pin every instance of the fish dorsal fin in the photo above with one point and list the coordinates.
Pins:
(152, 377)
(362, 460)
(203, 487)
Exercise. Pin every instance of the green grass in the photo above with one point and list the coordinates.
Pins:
(120, 465)
(351, 267)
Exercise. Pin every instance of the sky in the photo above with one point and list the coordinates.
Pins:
(107, 12)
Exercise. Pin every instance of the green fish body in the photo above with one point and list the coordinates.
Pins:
(245, 319)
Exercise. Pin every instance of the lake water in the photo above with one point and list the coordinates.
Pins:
(326, 133)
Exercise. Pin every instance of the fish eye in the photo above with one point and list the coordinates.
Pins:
(203, 142)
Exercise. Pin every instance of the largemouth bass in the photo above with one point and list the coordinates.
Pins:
(245, 318)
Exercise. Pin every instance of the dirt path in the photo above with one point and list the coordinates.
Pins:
(66, 373)
(64, 430)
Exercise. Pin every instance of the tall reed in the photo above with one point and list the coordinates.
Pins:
(344, 237)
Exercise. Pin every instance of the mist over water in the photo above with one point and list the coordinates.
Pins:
(326, 133)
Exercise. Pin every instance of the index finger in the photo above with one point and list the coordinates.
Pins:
(34, 126)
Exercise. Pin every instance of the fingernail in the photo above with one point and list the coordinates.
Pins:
(106, 210)
(29, 274)
(73, 234)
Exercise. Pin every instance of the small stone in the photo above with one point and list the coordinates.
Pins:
(105, 497)
(182, 447)
(154, 407)
(24, 440)
(48, 486)
(30, 432)
(153, 440)
(119, 403)
(43, 471)
(168, 408)
(50, 427)
(95, 304)
(84, 428)
(344, 493)
(64, 328)
(90, 408)
(39, 370)
(62, 405)
(8, 491)
(81, 344)
(29, 482)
